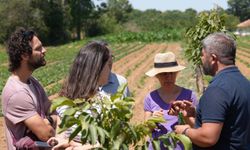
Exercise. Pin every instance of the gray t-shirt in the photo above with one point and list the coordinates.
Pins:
(21, 101)
(115, 81)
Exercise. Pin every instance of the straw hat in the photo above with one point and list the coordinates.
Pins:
(164, 62)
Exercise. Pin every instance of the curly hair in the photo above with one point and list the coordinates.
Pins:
(17, 45)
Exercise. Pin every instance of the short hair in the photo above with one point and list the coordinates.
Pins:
(222, 45)
(85, 71)
(17, 45)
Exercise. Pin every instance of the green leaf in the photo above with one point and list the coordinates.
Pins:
(156, 145)
(184, 140)
(79, 101)
(145, 147)
(70, 111)
(75, 132)
(115, 129)
(116, 96)
(122, 88)
(118, 142)
(124, 147)
(133, 131)
(93, 134)
(67, 122)
(119, 93)
(181, 120)
(85, 106)
(84, 135)
(101, 134)
(61, 101)
(157, 119)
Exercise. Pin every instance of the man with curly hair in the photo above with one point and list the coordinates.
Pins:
(25, 104)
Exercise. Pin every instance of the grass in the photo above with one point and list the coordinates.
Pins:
(244, 62)
(142, 82)
(128, 73)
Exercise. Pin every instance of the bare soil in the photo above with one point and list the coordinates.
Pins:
(139, 63)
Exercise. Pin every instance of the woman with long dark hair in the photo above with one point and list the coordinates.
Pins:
(88, 73)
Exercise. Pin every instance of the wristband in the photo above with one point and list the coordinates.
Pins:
(185, 131)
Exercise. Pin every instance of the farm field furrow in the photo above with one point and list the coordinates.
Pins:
(243, 57)
(244, 49)
(243, 68)
(244, 53)
(130, 60)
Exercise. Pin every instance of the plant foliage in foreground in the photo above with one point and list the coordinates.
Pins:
(107, 122)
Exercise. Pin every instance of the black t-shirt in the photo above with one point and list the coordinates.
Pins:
(227, 100)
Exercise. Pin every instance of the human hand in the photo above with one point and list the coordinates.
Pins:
(58, 143)
(158, 113)
(184, 106)
(52, 141)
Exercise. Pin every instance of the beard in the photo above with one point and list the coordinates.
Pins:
(207, 69)
(36, 63)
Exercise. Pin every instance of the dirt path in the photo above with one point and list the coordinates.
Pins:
(242, 52)
(3, 145)
(243, 68)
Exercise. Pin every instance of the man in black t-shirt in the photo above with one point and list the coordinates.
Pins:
(222, 116)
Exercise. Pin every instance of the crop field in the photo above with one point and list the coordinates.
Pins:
(132, 60)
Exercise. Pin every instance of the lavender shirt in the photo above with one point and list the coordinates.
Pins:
(21, 101)
(153, 102)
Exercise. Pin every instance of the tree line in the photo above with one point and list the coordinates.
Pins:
(61, 21)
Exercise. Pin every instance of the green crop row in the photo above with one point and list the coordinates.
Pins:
(124, 53)
(244, 44)
(243, 53)
(244, 62)
(166, 35)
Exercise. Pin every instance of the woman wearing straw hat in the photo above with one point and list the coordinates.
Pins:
(157, 102)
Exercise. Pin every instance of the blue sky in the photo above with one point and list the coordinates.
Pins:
(163, 5)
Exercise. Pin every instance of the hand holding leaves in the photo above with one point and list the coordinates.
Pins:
(184, 106)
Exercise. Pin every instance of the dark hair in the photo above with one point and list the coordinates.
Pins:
(101, 42)
(222, 45)
(85, 71)
(17, 45)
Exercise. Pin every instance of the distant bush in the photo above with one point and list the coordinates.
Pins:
(152, 36)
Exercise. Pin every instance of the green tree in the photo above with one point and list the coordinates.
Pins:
(81, 11)
(155, 20)
(208, 22)
(56, 20)
(19, 13)
(240, 8)
(119, 9)
(190, 17)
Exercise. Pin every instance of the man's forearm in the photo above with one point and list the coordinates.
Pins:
(198, 138)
